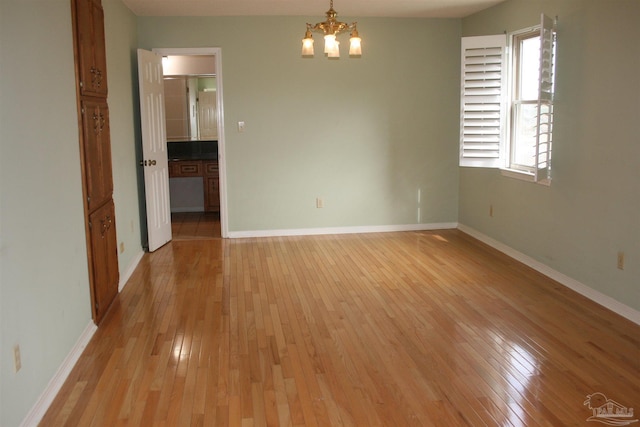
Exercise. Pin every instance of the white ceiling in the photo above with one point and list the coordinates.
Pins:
(348, 8)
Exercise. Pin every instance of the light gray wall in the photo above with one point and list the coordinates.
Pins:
(365, 134)
(591, 211)
(44, 284)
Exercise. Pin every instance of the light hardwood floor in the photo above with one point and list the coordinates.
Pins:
(195, 225)
(389, 329)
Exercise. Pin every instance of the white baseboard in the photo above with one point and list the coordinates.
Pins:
(341, 230)
(40, 408)
(596, 296)
(55, 384)
(124, 277)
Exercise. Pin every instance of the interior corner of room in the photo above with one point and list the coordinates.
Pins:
(368, 143)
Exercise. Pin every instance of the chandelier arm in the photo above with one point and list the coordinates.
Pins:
(331, 27)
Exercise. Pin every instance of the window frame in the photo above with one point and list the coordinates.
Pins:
(540, 171)
(515, 97)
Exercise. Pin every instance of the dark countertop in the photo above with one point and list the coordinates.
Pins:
(192, 150)
(194, 157)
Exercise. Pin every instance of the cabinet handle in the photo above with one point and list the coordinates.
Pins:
(98, 123)
(105, 225)
(96, 77)
(147, 162)
(152, 162)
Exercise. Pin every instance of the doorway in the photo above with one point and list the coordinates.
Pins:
(188, 224)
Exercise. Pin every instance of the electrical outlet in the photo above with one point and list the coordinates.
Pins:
(17, 360)
(121, 247)
(491, 211)
(621, 260)
(319, 202)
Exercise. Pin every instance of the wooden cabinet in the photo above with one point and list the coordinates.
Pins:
(91, 57)
(104, 257)
(185, 169)
(95, 153)
(208, 170)
(211, 187)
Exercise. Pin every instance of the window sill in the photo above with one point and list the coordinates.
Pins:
(523, 176)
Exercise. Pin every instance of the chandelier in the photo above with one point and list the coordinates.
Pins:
(331, 27)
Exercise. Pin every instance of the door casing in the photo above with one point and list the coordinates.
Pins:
(217, 53)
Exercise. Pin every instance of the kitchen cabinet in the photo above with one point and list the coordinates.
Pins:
(208, 171)
(211, 187)
(185, 168)
(104, 257)
(91, 53)
(95, 153)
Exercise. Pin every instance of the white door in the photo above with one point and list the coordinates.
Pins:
(207, 113)
(154, 148)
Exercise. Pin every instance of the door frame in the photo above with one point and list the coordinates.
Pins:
(222, 163)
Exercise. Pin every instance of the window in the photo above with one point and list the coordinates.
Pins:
(507, 106)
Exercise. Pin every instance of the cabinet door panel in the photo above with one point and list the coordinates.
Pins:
(212, 194)
(91, 48)
(190, 169)
(211, 168)
(211, 187)
(104, 258)
(97, 152)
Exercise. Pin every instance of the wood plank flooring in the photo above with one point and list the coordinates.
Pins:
(195, 225)
(389, 329)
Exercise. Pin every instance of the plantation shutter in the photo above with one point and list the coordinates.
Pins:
(482, 103)
(544, 131)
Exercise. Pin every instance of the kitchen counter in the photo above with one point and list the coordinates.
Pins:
(192, 150)
(193, 157)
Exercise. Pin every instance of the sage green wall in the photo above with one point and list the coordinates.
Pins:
(591, 211)
(45, 303)
(45, 292)
(121, 43)
(365, 134)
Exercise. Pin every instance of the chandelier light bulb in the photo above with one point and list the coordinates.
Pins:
(334, 52)
(329, 43)
(355, 47)
(307, 46)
